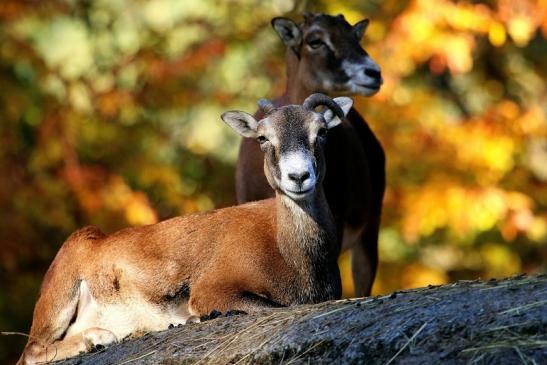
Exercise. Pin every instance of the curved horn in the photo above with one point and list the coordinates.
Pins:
(266, 106)
(314, 100)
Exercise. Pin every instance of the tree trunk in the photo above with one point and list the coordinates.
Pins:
(477, 322)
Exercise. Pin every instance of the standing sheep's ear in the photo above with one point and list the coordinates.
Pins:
(288, 31)
(360, 28)
(241, 122)
(332, 119)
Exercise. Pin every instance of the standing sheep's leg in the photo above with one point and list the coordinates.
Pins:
(364, 260)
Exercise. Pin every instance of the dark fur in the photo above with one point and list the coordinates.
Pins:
(355, 179)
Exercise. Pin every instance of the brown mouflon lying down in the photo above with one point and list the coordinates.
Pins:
(324, 55)
(275, 252)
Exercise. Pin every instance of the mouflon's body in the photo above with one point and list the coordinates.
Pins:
(324, 55)
(275, 252)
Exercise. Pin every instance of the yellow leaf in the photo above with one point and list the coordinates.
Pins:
(344, 263)
(417, 275)
(499, 261)
(138, 210)
(496, 34)
(521, 30)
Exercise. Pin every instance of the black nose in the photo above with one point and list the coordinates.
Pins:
(373, 73)
(299, 177)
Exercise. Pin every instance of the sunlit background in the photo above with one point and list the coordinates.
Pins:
(109, 115)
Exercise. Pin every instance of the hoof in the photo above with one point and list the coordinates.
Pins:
(172, 325)
(214, 314)
(97, 338)
(98, 347)
(234, 312)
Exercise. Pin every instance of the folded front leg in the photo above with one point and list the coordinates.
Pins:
(224, 297)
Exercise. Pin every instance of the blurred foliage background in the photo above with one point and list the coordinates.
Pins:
(109, 115)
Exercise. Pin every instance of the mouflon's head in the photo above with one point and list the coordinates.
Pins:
(293, 140)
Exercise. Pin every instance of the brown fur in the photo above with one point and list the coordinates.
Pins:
(355, 180)
(274, 252)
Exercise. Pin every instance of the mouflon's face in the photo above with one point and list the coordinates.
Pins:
(292, 138)
(331, 59)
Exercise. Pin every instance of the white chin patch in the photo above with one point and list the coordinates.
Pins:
(297, 164)
(299, 196)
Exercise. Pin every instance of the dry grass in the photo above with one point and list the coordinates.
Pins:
(407, 343)
(275, 336)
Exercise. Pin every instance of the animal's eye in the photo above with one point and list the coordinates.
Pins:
(316, 43)
(262, 139)
(322, 132)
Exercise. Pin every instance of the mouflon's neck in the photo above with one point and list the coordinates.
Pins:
(306, 236)
(295, 91)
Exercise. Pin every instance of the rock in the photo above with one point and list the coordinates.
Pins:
(464, 322)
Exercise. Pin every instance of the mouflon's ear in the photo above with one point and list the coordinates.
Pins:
(360, 28)
(241, 122)
(288, 31)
